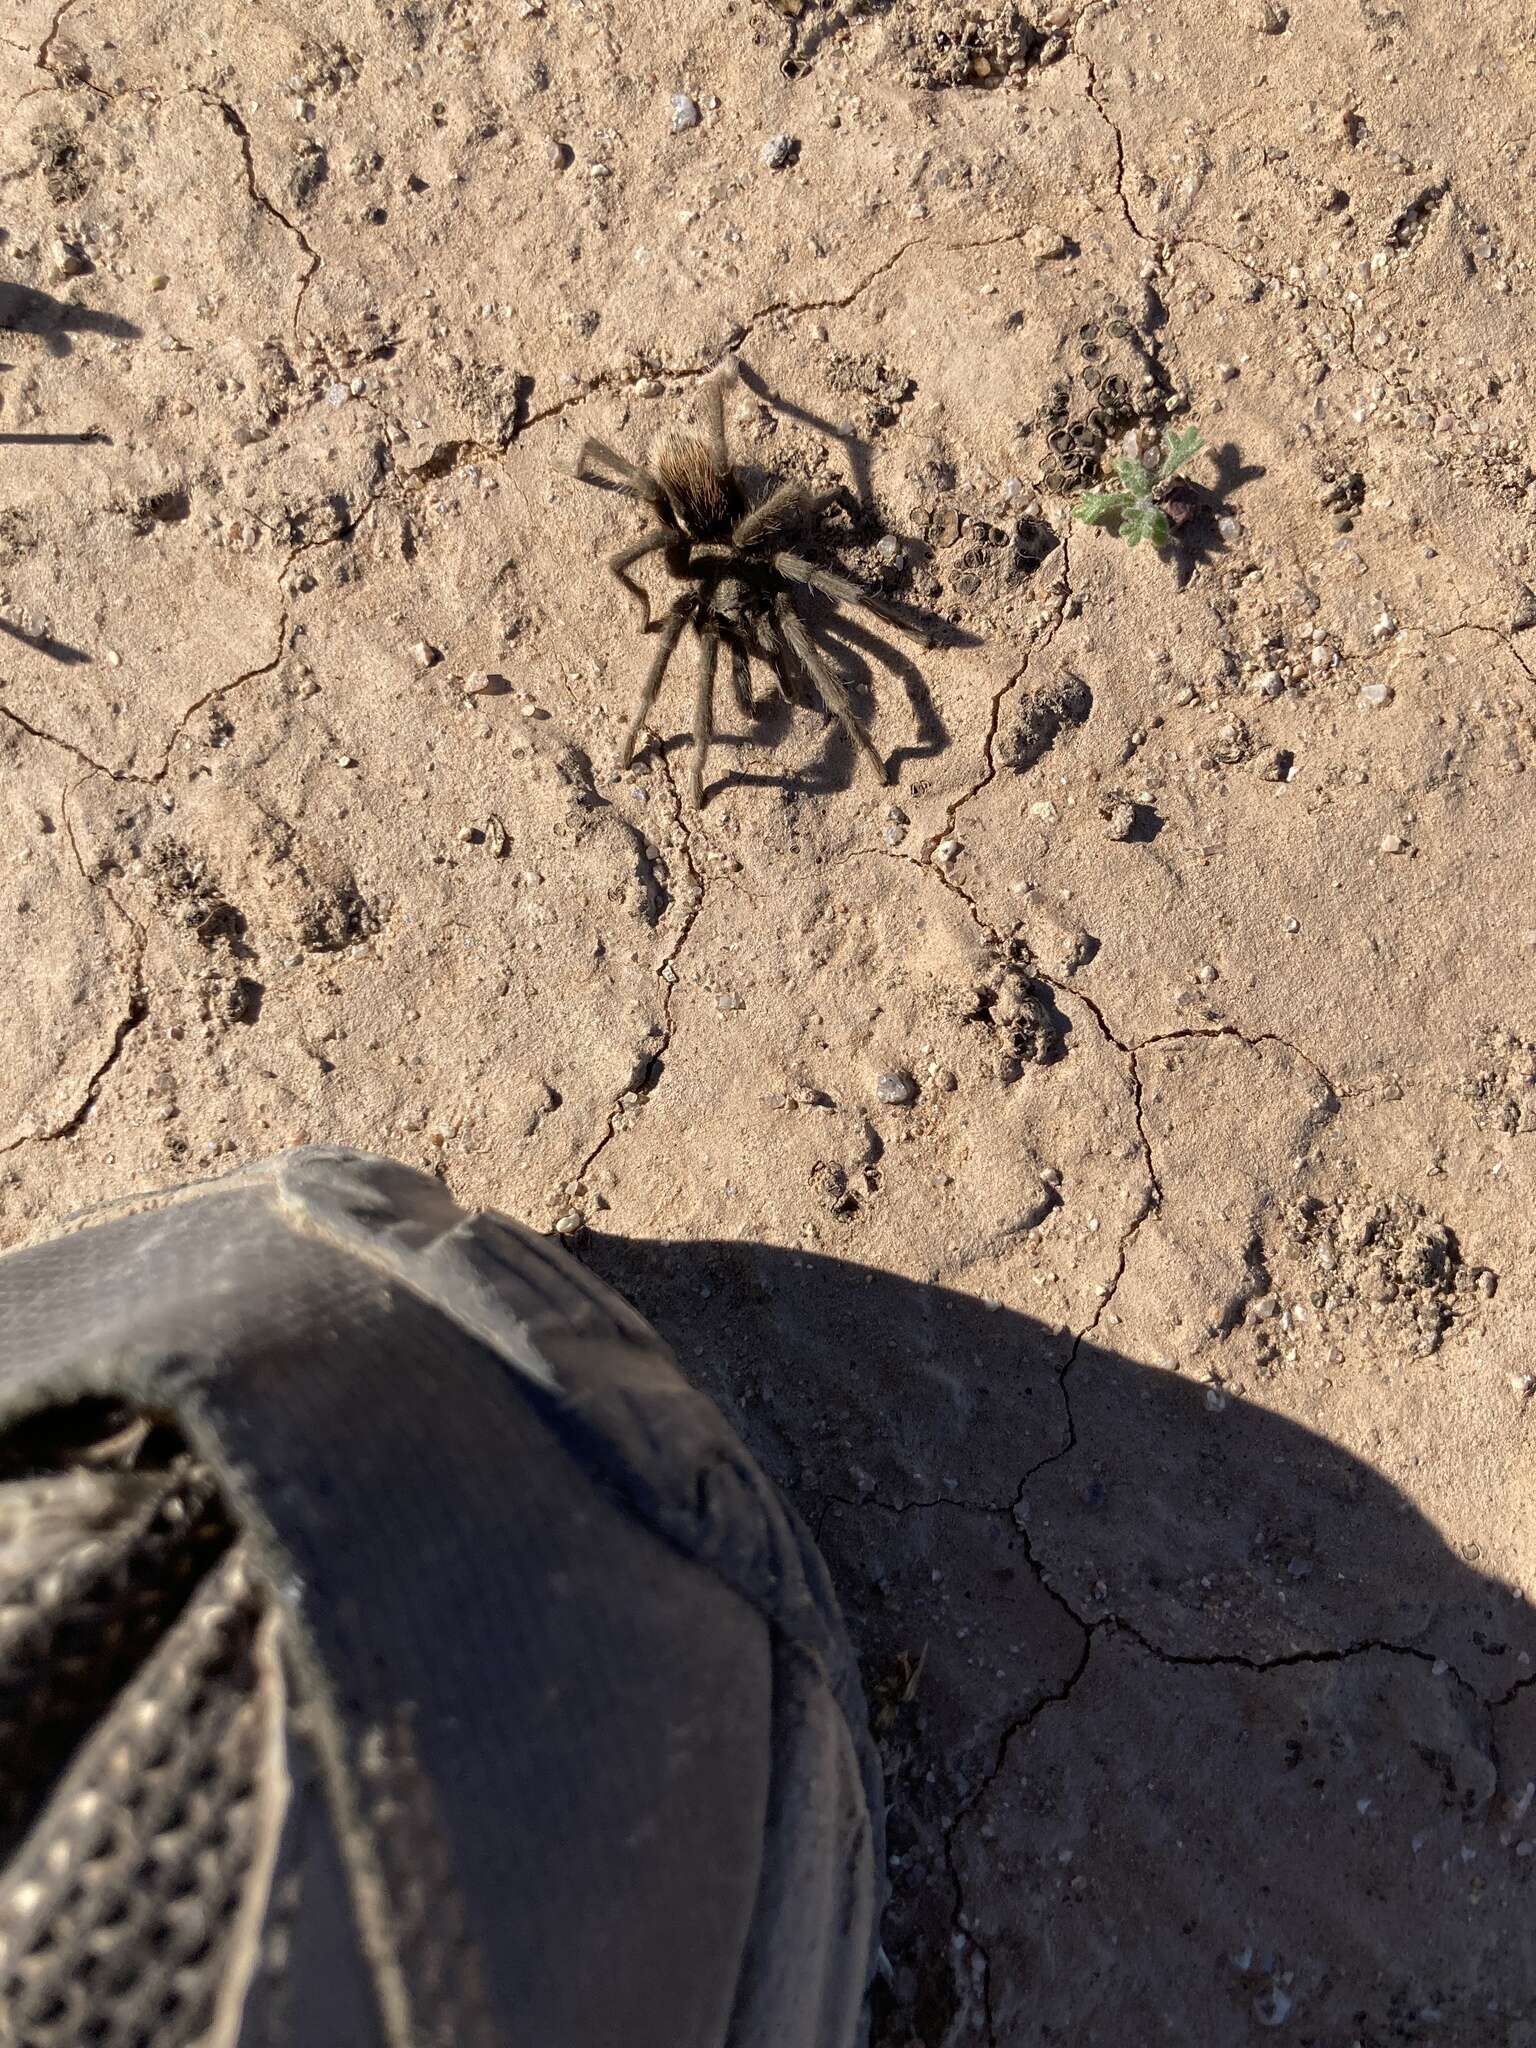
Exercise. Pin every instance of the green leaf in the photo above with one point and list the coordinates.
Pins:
(1145, 522)
(1099, 508)
(1133, 475)
(1178, 449)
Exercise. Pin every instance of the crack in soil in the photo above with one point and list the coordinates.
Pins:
(40, 61)
(136, 1014)
(1168, 244)
(1061, 592)
(232, 120)
(156, 776)
(693, 904)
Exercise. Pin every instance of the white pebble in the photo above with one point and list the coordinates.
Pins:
(685, 113)
(1374, 695)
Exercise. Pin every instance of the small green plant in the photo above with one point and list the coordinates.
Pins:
(1133, 511)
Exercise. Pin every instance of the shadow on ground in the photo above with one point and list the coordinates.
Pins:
(26, 310)
(1193, 1726)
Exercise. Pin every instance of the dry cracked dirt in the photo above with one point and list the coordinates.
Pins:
(1156, 1368)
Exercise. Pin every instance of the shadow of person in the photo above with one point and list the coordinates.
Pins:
(26, 310)
(1192, 1724)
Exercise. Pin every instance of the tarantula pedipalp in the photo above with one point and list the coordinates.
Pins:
(742, 573)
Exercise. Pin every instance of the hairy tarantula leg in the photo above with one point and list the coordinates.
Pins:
(778, 659)
(655, 537)
(741, 680)
(843, 590)
(633, 479)
(776, 509)
(714, 418)
(671, 631)
(704, 708)
(824, 676)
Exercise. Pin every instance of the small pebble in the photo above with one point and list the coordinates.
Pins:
(1206, 974)
(114, 659)
(945, 852)
(685, 113)
(425, 654)
(778, 151)
(1119, 819)
(559, 156)
(1269, 684)
(158, 281)
(1391, 843)
(1044, 245)
(729, 1002)
(1292, 926)
(888, 548)
(1374, 695)
(896, 1087)
(345, 761)
(569, 1223)
(336, 394)
(1522, 1385)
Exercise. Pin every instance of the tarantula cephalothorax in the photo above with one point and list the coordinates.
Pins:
(742, 575)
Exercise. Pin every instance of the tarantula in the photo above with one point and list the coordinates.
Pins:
(741, 572)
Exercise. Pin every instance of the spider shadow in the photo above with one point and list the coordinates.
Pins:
(25, 310)
(859, 649)
(856, 649)
(858, 450)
